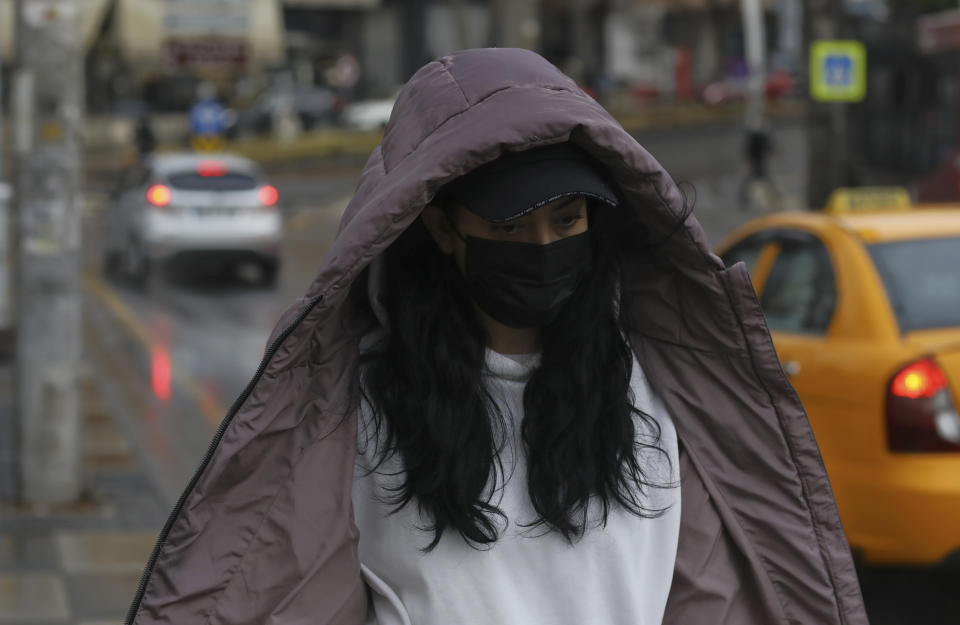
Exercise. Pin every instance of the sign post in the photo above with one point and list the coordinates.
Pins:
(208, 121)
(837, 77)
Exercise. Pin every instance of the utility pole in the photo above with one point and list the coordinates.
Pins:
(586, 57)
(828, 137)
(414, 20)
(460, 20)
(755, 45)
(517, 23)
(48, 113)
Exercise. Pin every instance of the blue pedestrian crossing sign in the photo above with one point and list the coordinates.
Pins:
(208, 118)
(838, 71)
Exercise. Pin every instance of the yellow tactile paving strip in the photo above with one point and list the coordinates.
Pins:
(29, 597)
(104, 552)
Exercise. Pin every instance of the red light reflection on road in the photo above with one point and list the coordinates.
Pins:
(161, 369)
(160, 372)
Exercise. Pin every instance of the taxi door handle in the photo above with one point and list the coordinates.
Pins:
(791, 368)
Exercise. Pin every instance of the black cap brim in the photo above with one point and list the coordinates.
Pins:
(520, 182)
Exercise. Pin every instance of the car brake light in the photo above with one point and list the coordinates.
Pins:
(210, 169)
(268, 194)
(921, 379)
(159, 195)
(921, 414)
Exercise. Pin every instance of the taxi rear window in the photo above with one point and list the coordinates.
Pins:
(228, 181)
(922, 281)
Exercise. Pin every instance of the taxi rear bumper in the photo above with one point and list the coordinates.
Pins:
(908, 512)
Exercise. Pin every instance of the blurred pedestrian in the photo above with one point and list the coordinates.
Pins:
(145, 137)
(520, 390)
(344, 75)
(758, 147)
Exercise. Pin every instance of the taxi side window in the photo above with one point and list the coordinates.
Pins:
(747, 251)
(800, 294)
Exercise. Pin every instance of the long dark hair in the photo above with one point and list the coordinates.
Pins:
(422, 383)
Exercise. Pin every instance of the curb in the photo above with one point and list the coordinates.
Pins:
(333, 142)
(699, 114)
(321, 144)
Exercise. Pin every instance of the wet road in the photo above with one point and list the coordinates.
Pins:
(173, 359)
(176, 355)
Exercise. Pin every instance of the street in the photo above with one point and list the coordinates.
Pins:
(173, 176)
(171, 359)
(190, 343)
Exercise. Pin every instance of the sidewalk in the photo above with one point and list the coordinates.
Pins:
(77, 564)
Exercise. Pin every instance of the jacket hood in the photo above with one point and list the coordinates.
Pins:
(264, 533)
(467, 109)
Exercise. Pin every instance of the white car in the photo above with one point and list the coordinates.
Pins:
(194, 209)
(369, 114)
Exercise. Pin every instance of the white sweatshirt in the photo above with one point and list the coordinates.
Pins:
(618, 574)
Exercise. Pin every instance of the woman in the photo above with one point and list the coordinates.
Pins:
(515, 466)
(267, 532)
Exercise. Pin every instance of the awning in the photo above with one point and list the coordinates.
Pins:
(332, 4)
(939, 32)
(161, 33)
(695, 5)
(92, 13)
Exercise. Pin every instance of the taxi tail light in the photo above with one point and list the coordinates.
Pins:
(269, 196)
(158, 196)
(921, 415)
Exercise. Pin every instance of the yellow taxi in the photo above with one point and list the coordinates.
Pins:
(864, 309)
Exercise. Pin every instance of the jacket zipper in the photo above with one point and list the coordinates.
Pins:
(162, 538)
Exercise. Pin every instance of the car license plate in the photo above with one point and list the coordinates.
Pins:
(214, 211)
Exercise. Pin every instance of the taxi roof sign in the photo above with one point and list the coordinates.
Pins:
(868, 199)
(838, 70)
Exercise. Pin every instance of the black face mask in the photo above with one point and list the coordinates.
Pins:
(525, 285)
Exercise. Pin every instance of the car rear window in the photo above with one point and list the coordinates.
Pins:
(922, 281)
(229, 181)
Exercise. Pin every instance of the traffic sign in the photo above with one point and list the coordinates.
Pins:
(208, 143)
(838, 71)
(208, 117)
